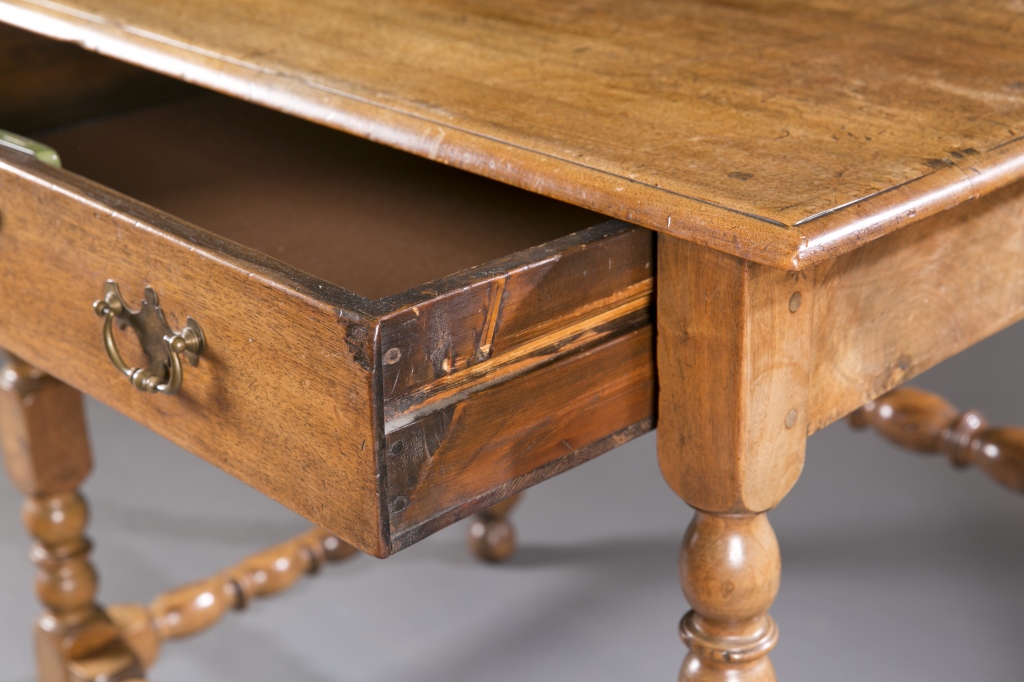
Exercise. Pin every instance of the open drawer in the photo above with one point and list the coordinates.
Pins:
(390, 344)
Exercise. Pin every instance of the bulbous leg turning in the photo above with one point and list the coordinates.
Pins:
(492, 537)
(46, 453)
(729, 568)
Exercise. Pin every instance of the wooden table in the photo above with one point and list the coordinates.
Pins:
(834, 186)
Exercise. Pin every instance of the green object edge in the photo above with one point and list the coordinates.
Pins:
(44, 153)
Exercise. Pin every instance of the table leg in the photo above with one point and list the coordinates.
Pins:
(733, 371)
(47, 456)
(492, 537)
(729, 568)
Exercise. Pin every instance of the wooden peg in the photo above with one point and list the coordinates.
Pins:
(492, 537)
(927, 423)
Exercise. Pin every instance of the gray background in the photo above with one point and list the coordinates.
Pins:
(896, 567)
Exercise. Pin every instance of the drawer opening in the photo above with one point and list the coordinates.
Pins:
(395, 344)
(371, 219)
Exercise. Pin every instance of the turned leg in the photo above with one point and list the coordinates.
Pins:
(47, 456)
(729, 569)
(733, 340)
(492, 537)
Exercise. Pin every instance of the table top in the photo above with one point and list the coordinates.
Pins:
(784, 133)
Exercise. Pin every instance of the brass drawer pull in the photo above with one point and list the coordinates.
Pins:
(162, 345)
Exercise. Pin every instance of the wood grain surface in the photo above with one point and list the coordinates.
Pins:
(42, 431)
(455, 336)
(497, 441)
(499, 377)
(733, 370)
(282, 397)
(781, 132)
(885, 313)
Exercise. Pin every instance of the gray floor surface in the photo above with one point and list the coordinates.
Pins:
(896, 567)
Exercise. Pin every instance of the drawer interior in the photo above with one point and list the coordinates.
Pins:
(366, 217)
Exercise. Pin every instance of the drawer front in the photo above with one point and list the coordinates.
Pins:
(282, 396)
(380, 420)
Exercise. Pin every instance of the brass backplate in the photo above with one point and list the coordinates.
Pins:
(151, 327)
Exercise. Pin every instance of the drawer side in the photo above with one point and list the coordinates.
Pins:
(462, 459)
(530, 307)
(501, 377)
